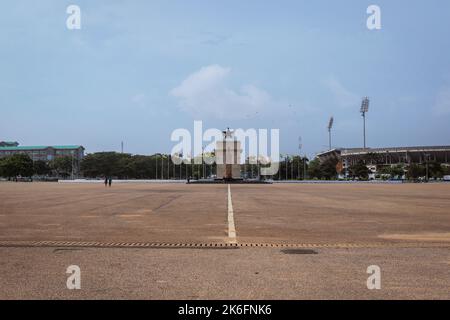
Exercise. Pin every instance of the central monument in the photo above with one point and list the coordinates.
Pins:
(228, 155)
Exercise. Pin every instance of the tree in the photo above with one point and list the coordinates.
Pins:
(2, 167)
(328, 168)
(125, 166)
(359, 170)
(17, 165)
(62, 166)
(103, 164)
(435, 170)
(297, 167)
(397, 171)
(314, 169)
(415, 171)
(139, 167)
(394, 172)
(41, 168)
(325, 169)
(445, 170)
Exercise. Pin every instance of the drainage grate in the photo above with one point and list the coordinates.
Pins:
(181, 245)
(298, 251)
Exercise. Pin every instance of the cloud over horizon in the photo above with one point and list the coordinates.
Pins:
(206, 93)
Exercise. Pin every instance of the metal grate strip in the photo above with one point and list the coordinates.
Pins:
(219, 245)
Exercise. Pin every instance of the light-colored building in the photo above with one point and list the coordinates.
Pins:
(228, 155)
(46, 153)
(376, 158)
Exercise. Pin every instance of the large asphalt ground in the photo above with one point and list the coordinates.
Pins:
(172, 241)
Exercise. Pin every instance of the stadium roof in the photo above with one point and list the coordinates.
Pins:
(348, 151)
(70, 147)
(395, 149)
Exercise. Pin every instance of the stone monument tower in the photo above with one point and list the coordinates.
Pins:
(228, 155)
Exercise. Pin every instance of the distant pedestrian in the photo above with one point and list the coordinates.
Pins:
(106, 181)
(110, 181)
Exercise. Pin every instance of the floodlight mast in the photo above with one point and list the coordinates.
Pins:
(330, 126)
(364, 110)
(299, 156)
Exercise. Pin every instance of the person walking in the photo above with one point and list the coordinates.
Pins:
(110, 181)
(106, 181)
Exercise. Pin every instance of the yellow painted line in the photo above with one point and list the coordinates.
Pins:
(231, 225)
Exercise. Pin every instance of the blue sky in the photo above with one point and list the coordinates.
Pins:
(138, 70)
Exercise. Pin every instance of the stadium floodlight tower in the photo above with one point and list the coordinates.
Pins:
(330, 126)
(364, 110)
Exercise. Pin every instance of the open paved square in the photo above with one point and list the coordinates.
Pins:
(124, 237)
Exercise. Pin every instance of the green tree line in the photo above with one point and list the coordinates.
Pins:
(21, 165)
(126, 166)
(161, 166)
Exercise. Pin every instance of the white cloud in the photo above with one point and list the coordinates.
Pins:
(344, 97)
(442, 104)
(205, 93)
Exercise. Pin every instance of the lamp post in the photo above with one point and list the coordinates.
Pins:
(299, 156)
(304, 167)
(364, 110)
(203, 162)
(162, 166)
(330, 126)
(156, 166)
(302, 159)
(286, 160)
(72, 152)
(292, 168)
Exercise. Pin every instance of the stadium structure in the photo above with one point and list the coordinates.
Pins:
(376, 158)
